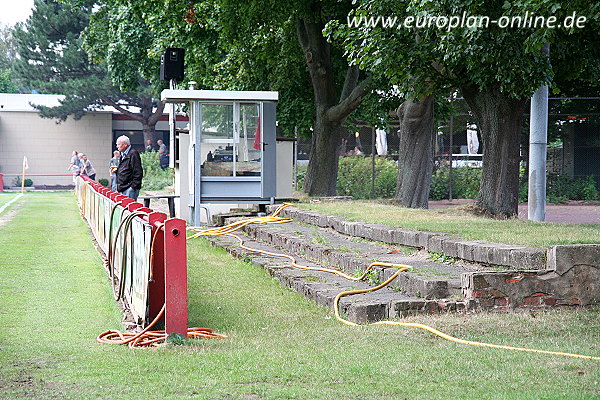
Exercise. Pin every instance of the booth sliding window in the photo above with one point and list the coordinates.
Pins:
(231, 139)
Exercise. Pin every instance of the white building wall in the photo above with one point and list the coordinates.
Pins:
(48, 145)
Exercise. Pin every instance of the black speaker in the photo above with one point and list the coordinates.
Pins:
(171, 64)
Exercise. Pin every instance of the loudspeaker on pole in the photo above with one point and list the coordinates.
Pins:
(171, 64)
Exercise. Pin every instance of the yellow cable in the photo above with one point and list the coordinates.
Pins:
(273, 219)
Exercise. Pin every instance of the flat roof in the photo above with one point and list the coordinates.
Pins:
(21, 102)
(177, 96)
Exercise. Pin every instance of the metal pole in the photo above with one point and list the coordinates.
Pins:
(538, 138)
(450, 177)
(296, 157)
(372, 162)
(172, 128)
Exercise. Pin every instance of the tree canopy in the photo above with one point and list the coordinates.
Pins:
(496, 67)
(52, 59)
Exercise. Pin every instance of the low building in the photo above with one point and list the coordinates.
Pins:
(48, 145)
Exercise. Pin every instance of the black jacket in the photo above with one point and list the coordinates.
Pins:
(130, 172)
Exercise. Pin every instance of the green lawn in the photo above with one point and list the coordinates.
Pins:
(5, 197)
(56, 299)
(456, 221)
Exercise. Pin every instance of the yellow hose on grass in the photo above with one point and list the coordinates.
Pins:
(273, 219)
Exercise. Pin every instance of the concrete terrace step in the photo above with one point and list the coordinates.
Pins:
(477, 251)
(428, 279)
(323, 287)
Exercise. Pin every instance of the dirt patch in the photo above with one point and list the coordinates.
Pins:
(9, 214)
(480, 212)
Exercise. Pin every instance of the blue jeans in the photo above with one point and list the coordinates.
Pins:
(131, 193)
(113, 183)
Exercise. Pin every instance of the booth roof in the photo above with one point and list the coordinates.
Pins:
(176, 96)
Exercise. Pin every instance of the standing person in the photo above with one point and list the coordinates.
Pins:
(87, 168)
(129, 172)
(149, 146)
(114, 164)
(163, 154)
(75, 165)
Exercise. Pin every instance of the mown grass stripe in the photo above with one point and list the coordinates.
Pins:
(56, 298)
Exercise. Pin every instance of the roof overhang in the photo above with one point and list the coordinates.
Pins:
(178, 96)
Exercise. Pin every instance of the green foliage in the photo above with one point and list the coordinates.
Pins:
(103, 182)
(354, 177)
(440, 257)
(17, 182)
(465, 183)
(50, 56)
(53, 60)
(561, 188)
(155, 178)
(300, 176)
(6, 82)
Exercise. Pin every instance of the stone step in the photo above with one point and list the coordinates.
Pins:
(428, 279)
(323, 287)
(478, 251)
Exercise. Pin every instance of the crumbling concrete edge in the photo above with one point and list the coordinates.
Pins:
(509, 256)
(564, 275)
(356, 309)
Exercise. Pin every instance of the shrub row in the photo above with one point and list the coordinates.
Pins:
(155, 178)
(354, 179)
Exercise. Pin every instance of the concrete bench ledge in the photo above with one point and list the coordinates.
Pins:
(508, 256)
(323, 288)
(564, 275)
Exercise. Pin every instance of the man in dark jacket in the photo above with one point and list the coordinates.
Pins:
(129, 172)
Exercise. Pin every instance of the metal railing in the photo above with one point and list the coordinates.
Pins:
(146, 254)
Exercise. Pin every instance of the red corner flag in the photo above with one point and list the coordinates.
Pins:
(257, 136)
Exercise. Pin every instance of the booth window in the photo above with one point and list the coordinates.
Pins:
(231, 139)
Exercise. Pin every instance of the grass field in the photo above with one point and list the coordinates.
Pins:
(56, 298)
(5, 198)
(457, 221)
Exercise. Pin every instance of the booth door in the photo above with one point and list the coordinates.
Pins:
(234, 141)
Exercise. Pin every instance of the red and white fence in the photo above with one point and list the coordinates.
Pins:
(146, 252)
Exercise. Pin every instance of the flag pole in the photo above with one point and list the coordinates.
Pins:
(23, 174)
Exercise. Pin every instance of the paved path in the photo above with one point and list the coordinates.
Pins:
(576, 212)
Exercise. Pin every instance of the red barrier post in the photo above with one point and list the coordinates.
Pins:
(176, 297)
(1, 182)
(156, 286)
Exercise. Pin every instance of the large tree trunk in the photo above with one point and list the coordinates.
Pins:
(149, 118)
(330, 111)
(415, 157)
(321, 175)
(499, 119)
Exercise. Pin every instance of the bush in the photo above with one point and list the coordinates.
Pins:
(300, 175)
(354, 177)
(561, 188)
(17, 182)
(155, 178)
(103, 182)
(465, 183)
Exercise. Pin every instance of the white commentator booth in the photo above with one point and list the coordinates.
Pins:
(228, 155)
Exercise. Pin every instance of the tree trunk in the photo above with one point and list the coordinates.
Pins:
(330, 112)
(150, 133)
(321, 175)
(149, 118)
(499, 119)
(415, 158)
